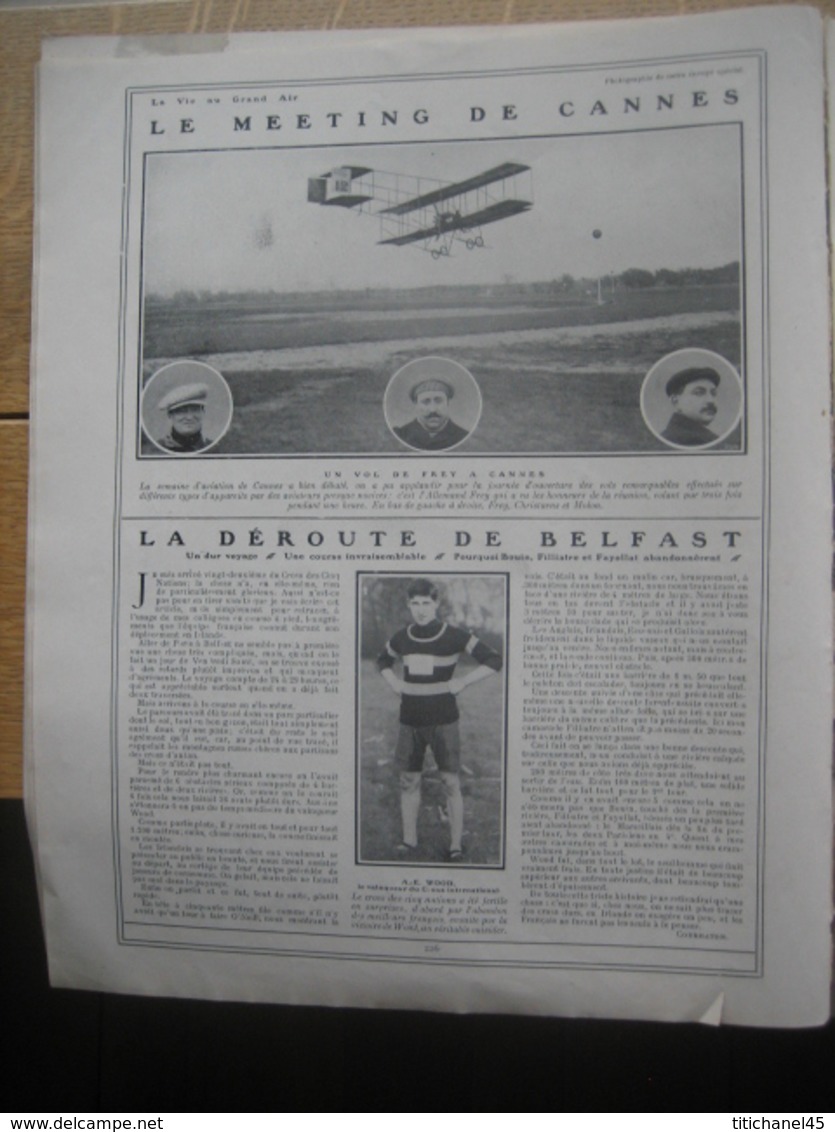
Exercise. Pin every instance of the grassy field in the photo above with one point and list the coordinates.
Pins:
(555, 377)
(189, 329)
(482, 778)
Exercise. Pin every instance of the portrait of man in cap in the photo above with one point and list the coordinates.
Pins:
(186, 409)
(432, 428)
(185, 406)
(692, 394)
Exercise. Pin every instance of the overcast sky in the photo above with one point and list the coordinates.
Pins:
(240, 220)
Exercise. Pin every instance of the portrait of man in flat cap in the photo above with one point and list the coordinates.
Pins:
(186, 408)
(441, 400)
(692, 394)
(692, 399)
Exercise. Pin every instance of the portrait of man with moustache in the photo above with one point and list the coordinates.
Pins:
(692, 393)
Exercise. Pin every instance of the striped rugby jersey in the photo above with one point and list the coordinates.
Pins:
(429, 654)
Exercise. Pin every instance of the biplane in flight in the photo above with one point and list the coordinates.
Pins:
(432, 215)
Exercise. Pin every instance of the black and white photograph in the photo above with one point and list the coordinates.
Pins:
(419, 404)
(186, 409)
(431, 719)
(692, 399)
(555, 286)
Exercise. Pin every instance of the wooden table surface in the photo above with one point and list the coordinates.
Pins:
(21, 32)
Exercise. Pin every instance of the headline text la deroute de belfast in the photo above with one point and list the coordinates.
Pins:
(374, 539)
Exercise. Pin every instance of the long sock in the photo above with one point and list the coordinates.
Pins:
(409, 805)
(455, 809)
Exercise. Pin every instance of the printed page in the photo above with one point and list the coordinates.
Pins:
(430, 558)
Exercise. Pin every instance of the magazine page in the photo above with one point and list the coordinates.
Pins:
(430, 566)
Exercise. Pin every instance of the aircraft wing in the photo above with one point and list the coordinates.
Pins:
(498, 211)
(346, 201)
(410, 237)
(489, 177)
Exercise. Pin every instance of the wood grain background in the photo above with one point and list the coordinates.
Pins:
(21, 33)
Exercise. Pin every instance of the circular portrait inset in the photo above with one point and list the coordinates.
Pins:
(432, 404)
(692, 399)
(186, 409)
